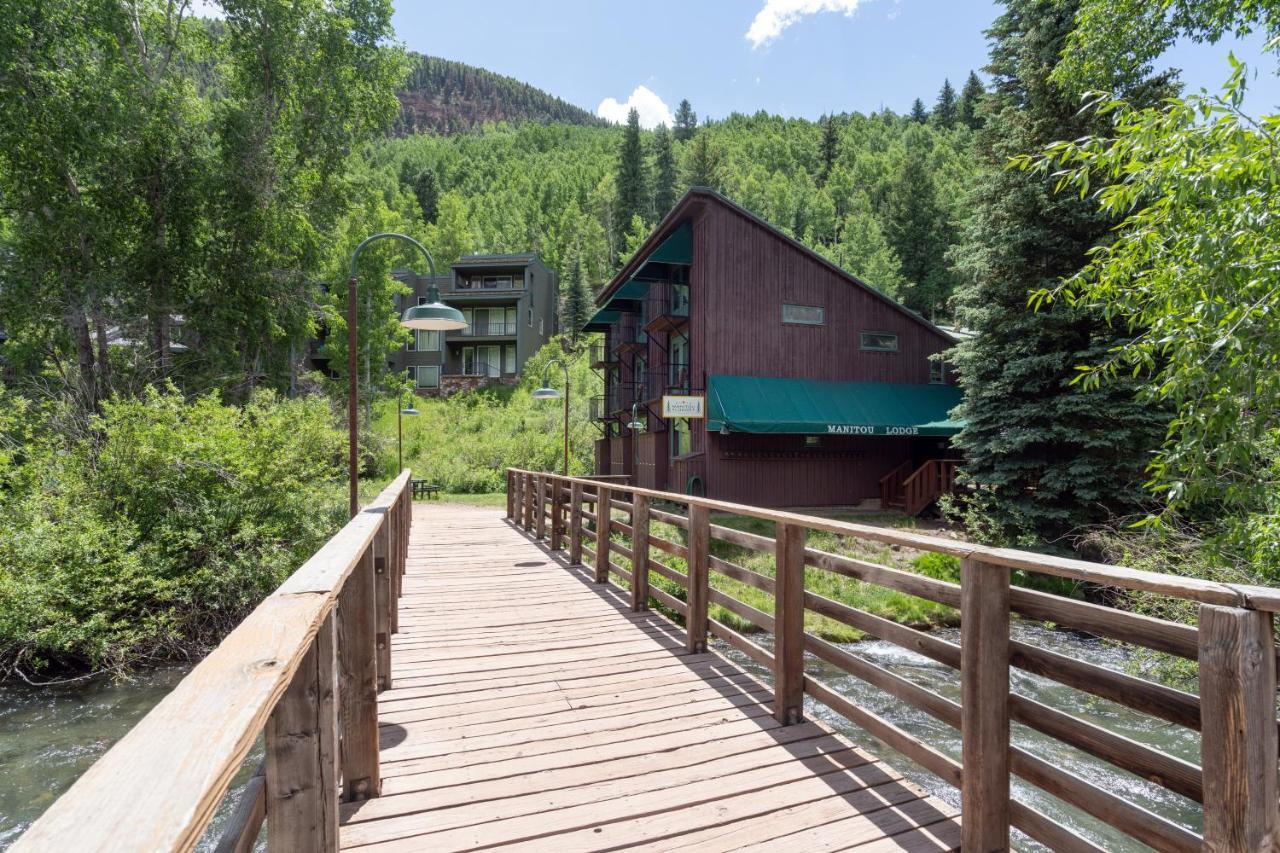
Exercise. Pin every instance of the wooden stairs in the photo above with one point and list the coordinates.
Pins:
(915, 491)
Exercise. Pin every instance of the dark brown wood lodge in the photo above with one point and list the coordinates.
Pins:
(816, 389)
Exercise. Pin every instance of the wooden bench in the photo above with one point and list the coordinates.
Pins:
(423, 488)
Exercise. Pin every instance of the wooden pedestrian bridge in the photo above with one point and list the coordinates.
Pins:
(442, 678)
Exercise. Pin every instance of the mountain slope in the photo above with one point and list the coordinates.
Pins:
(443, 96)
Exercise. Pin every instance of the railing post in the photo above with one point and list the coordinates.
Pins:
(984, 706)
(557, 514)
(383, 602)
(358, 684)
(788, 614)
(639, 552)
(604, 517)
(540, 508)
(575, 524)
(528, 502)
(511, 495)
(392, 525)
(699, 540)
(1238, 729)
(302, 755)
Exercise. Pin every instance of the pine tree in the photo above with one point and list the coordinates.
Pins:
(427, 190)
(575, 307)
(703, 169)
(633, 180)
(945, 110)
(970, 95)
(1045, 456)
(917, 228)
(918, 113)
(686, 121)
(665, 178)
(830, 147)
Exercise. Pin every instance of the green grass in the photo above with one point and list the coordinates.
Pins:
(887, 603)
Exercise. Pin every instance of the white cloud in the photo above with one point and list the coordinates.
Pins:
(776, 15)
(653, 111)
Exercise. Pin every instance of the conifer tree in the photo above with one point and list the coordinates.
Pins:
(427, 190)
(970, 95)
(633, 197)
(1044, 456)
(917, 228)
(665, 178)
(686, 121)
(830, 147)
(918, 113)
(703, 169)
(945, 109)
(575, 307)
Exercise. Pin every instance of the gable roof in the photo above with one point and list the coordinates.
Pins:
(690, 204)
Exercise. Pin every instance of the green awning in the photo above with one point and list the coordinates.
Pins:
(760, 404)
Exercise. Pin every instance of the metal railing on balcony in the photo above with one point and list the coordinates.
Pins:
(620, 395)
(478, 368)
(601, 356)
(674, 378)
(667, 305)
(490, 329)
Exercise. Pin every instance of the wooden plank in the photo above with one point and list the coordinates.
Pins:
(575, 524)
(557, 516)
(302, 755)
(699, 542)
(1238, 735)
(391, 523)
(511, 504)
(240, 835)
(984, 706)
(383, 602)
(640, 554)
(540, 507)
(358, 683)
(603, 522)
(788, 651)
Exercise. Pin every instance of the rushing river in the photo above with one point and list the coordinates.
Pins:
(50, 735)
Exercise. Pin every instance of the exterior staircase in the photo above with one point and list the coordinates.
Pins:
(914, 491)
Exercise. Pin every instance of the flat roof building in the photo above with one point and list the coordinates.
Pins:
(806, 385)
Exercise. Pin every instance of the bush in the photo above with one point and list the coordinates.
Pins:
(943, 567)
(158, 530)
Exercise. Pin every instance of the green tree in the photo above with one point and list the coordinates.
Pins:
(426, 189)
(1044, 455)
(451, 236)
(576, 306)
(918, 113)
(686, 121)
(945, 109)
(970, 97)
(634, 198)
(703, 168)
(830, 147)
(864, 251)
(917, 227)
(665, 177)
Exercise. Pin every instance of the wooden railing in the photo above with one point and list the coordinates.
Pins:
(891, 485)
(934, 478)
(1236, 780)
(304, 669)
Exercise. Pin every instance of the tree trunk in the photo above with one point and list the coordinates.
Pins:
(78, 325)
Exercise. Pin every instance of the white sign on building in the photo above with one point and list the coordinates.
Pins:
(679, 406)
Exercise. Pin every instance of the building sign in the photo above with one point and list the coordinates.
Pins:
(674, 406)
(868, 429)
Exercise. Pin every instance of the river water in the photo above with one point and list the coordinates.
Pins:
(50, 735)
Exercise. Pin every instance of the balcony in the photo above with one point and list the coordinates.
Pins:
(488, 330)
(621, 395)
(667, 306)
(671, 379)
(601, 357)
(629, 334)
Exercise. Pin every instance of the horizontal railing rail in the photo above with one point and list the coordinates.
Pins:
(304, 669)
(610, 526)
(490, 329)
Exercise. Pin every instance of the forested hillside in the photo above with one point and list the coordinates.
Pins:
(447, 97)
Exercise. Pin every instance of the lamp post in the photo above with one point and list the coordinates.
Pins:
(400, 413)
(546, 392)
(635, 426)
(433, 316)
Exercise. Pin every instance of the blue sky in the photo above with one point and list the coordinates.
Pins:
(793, 57)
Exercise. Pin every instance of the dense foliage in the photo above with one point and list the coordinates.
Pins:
(150, 529)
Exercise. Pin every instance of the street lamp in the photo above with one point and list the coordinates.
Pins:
(635, 426)
(546, 392)
(433, 316)
(400, 412)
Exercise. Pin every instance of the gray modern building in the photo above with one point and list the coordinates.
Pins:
(510, 305)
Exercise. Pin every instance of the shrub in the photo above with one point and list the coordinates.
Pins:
(943, 567)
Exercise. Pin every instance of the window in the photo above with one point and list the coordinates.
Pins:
(680, 444)
(878, 341)
(813, 441)
(422, 300)
(412, 346)
(508, 359)
(802, 315)
(427, 341)
(464, 283)
(541, 326)
(510, 316)
(937, 371)
(428, 376)
(530, 316)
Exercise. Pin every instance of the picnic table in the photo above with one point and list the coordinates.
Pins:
(422, 488)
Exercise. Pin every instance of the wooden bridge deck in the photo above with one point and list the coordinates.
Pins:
(531, 708)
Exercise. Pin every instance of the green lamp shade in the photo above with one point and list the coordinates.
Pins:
(434, 316)
(410, 411)
(636, 425)
(546, 393)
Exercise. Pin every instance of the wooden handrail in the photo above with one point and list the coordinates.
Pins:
(159, 786)
(1234, 646)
